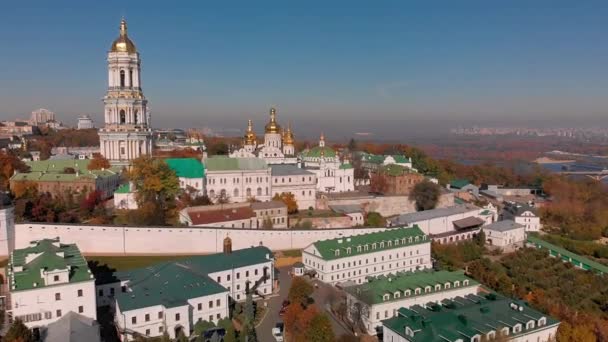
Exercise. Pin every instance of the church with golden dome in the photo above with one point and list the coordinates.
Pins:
(278, 145)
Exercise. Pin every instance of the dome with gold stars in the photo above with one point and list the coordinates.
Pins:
(123, 43)
(288, 138)
(250, 138)
(272, 126)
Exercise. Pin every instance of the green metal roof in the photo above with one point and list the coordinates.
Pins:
(374, 290)
(328, 248)
(315, 152)
(170, 284)
(123, 189)
(346, 166)
(394, 170)
(465, 317)
(222, 163)
(49, 255)
(400, 159)
(459, 183)
(539, 243)
(186, 167)
(173, 283)
(54, 171)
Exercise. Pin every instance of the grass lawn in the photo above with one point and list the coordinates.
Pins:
(121, 263)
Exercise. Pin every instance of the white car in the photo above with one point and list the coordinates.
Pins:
(278, 335)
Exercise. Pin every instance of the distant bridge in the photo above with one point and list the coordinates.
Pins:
(596, 175)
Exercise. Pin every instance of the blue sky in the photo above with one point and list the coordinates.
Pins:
(370, 63)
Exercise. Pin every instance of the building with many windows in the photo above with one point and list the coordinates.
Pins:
(381, 297)
(237, 179)
(173, 296)
(47, 280)
(354, 259)
(523, 214)
(505, 233)
(333, 175)
(470, 318)
(300, 182)
(191, 174)
(85, 122)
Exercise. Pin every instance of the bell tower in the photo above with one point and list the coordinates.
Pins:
(127, 133)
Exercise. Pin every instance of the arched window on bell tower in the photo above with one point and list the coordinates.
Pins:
(131, 77)
(122, 78)
(123, 116)
(135, 115)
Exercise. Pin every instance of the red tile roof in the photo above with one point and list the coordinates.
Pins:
(221, 215)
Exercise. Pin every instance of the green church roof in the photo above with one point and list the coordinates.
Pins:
(222, 163)
(45, 255)
(384, 240)
(459, 183)
(54, 171)
(315, 152)
(186, 167)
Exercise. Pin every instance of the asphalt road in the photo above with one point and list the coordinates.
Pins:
(320, 295)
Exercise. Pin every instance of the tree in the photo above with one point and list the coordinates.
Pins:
(181, 337)
(300, 291)
(18, 332)
(426, 195)
(347, 338)
(320, 329)
(165, 337)
(374, 219)
(352, 145)
(480, 238)
(201, 326)
(27, 189)
(157, 187)
(302, 324)
(229, 327)
(289, 199)
(9, 163)
(292, 313)
(98, 162)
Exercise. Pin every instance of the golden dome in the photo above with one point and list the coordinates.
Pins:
(250, 138)
(123, 43)
(288, 138)
(273, 126)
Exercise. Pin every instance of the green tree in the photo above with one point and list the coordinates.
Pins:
(226, 323)
(181, 337)
(300, 291)
(320, 329)
(480, 238)
(249, 310)
(201, 326)
(18, 332)
(374, 219)
(426, 195)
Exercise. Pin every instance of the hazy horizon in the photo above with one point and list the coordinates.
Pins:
(396, 69)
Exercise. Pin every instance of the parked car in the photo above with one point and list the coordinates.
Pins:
(277, 334)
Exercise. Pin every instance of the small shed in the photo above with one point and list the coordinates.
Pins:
(298, 269)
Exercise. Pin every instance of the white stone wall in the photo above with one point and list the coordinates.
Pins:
(235, 280)
(43, 301)
(357, 267)
(333, 179)
(7, 231)
(195, 183)
(104, 240)
(506, 238)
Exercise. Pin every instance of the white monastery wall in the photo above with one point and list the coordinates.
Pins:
(170, 240)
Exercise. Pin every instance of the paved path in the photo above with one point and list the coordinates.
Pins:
(321, 294)
(264, 329)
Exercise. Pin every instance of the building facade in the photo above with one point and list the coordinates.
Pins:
(127, 134)
(332, 174)
(380, 298)
(85, 122)
(174, 296)
(191, 174)
(300, 182)
(47, 280)
(523, 214)
(237, 179)
(394, 179)
(505, 233)
(354, 259)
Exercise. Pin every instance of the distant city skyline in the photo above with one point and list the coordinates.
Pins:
(347, 66)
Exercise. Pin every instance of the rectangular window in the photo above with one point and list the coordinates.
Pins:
(56, 278)
(246, 273)
(100, 293)
(210, 318)
(210, 304)
(79, 293)
(255, 272)
(228, 277)
(217, 303)
(177, 317)
(111, 291)
(219, 279)
(147, 317)
(160, 315)
(200, 306)
(147, 332)
(58, 313)
(134, 320)
(57, 296)
(238, 275)
(160, 329)
(81, 309)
